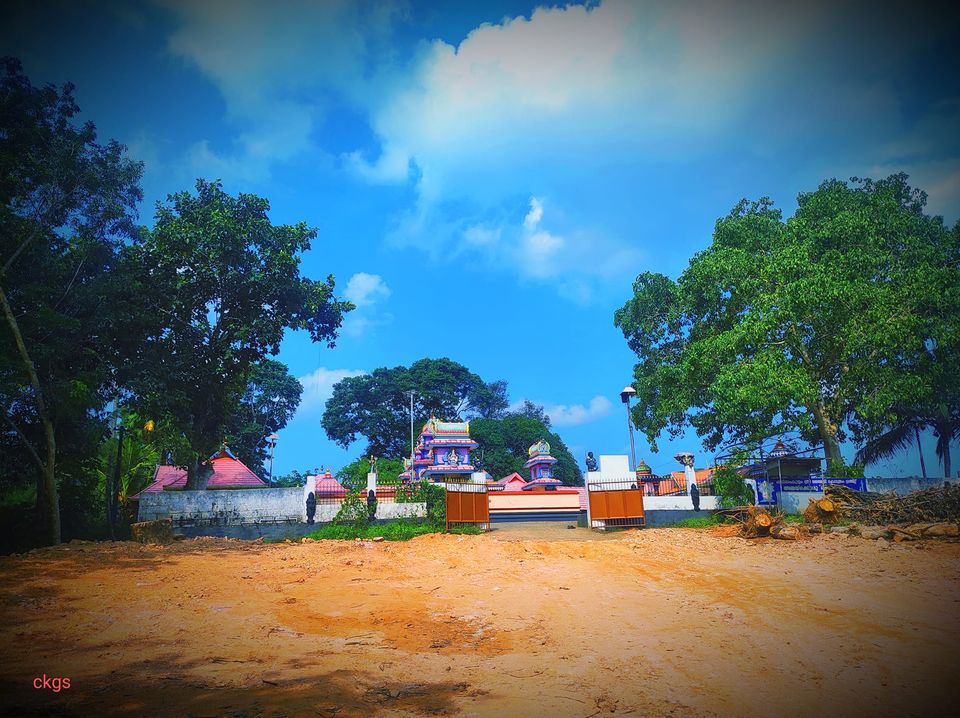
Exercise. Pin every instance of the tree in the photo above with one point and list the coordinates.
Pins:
(354, 474)
(269, 402)
(815, 324)
(503, 445)
(224, 284)
(377, 406)
(68, 203)
(533, 411)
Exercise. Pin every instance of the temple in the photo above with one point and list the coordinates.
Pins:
(442, 452)
(540, 464)
(228, 473)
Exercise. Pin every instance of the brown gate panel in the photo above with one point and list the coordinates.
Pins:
(616, 504)
(469, 505)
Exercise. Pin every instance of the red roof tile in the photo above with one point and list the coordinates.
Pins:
(228, 473)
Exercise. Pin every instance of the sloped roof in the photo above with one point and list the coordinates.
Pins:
(512, 478)
(228, 473)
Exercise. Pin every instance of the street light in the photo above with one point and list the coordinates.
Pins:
(411, 394)
(625, 396)
(273, 445)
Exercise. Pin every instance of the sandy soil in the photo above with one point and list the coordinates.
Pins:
(656, 622)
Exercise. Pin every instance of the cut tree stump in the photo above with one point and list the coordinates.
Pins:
(160, 531)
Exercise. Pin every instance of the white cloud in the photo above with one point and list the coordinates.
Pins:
(570, 414)
(364, 289)
(277, 67)
(318, 387)
(576, 414)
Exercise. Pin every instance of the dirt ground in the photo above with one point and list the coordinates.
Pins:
(648, 623)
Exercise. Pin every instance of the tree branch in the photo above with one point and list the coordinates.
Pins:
(26, 443)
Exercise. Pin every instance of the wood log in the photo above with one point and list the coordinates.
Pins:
(785, 532)
(763, 520)
(826, 506)
(943, 530)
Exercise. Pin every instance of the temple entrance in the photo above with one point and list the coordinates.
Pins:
(467, 503)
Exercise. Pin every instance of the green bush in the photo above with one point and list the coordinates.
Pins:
(400, 530)
(731, 488)
(353, 511)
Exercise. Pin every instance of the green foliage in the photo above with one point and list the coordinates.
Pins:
(294, 478)
(269, 402)
(816, 324)
(840, 469)
(354, 474)
(224, 284)
(353, 511)
(376, 407)
(504, 443)
(399, 530)
(67, 205)
(730, 487)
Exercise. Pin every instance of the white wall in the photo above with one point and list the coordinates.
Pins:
(680, 503)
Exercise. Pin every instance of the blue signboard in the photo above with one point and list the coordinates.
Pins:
(768, 490)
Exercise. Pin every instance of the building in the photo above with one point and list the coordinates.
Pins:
(228, 473)
(541, 498)
(442, 453)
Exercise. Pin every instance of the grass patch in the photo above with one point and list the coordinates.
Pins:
(700, 522)
(392, 531)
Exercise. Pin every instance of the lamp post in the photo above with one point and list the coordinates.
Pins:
(625, 396)
(273, 445)
(413, 473)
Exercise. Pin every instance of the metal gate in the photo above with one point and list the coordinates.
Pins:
(468, 504)
(615, 504)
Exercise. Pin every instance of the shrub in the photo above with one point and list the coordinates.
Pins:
(353, 511)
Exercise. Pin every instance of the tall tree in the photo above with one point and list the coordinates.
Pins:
(269, 402)
(816, 324)
(224, 283)
(377, 405)
(68, 203)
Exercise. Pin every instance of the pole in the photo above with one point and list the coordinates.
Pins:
(633, 451)
(273, 446)
(115, 481)
(413, 473)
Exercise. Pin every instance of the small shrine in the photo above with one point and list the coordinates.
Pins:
(540, 463)
(442, 452)
(228, 473)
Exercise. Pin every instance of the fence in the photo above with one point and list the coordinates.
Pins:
(615, 503)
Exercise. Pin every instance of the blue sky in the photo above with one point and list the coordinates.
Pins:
(506, 169)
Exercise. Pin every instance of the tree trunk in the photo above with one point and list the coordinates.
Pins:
(197, 474)
(943, 429)
(51, 499)
(828, 434)
(923, 466)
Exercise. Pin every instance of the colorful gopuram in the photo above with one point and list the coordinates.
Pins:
(540, 464)
(442, 452)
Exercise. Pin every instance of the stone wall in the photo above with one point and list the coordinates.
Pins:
(236, 507)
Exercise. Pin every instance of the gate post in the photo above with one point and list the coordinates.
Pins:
(592, 477)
